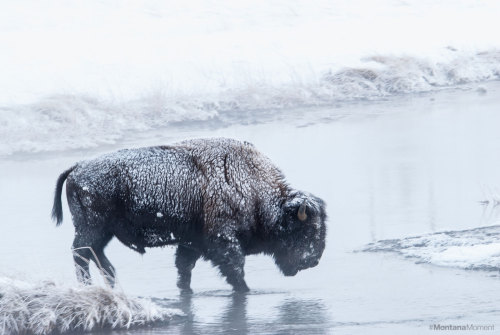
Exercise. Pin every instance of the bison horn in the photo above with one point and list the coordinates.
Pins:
(302, 212)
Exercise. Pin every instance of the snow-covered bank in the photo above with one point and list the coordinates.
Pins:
(61, 122)
(473, 249)
(47, 307)
(77, 75)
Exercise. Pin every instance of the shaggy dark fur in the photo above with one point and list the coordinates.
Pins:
(219, 199)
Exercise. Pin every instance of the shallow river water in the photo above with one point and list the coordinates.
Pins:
(409, 166)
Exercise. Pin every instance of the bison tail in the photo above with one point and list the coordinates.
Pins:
(57, 213)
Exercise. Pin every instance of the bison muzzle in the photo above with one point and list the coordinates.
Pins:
(219, 199)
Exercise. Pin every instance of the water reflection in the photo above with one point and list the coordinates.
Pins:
(234, 318)
(297, 316)
(293, 315)
(185, 305)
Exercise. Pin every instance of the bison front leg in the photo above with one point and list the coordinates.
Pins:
(226, 254)
(185, 259)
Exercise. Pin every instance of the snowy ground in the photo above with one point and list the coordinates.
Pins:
(409, 166)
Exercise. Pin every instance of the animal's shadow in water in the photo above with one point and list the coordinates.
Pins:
(293, 315)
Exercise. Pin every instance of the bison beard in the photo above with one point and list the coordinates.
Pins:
(219, 199)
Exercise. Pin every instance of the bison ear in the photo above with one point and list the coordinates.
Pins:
(301, 213)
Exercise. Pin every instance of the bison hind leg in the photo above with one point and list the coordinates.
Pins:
(81, 257)
(89, 246)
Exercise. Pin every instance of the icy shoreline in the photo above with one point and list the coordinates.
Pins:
(64, 123)
(472, 249)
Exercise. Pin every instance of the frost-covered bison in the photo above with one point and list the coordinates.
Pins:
(219, 199)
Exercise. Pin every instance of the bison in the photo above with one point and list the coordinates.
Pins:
(219, 199)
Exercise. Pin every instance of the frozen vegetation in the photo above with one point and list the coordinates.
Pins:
(47, 307)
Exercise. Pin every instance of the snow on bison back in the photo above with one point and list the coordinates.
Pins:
(219, 199)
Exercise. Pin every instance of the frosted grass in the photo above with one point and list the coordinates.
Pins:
(47, 307)
(62, 122)
(491, 197)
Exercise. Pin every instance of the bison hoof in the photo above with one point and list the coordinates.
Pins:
(186, 291)
(184, 287)
(241, 288)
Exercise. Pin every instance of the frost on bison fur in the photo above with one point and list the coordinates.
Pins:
(219, 199)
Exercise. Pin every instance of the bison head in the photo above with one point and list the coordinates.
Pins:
(301, 234)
